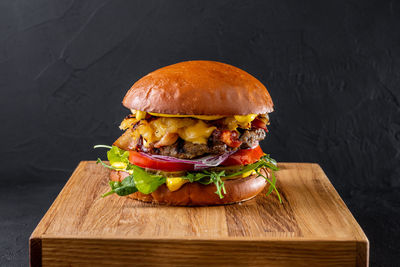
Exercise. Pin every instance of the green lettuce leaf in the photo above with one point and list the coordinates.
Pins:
(115, 154)
(118, 158)
(145, 182)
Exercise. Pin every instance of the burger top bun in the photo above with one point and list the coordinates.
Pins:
(199, 88)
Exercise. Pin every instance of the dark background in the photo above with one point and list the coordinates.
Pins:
(332, 68)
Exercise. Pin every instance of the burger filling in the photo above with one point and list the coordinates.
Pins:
(158, 149)
(188, 138)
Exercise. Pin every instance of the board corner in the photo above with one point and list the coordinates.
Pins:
(362, 252)
(35, 250)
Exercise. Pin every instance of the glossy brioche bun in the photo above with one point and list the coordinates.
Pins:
(196, 194)
(199, 88)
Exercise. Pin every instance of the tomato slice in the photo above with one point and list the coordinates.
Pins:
(244, 157)
(140, 160)
(241, 157)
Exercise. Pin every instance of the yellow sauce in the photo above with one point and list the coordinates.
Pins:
(174, 183)
(140, 115)
(119, 165)
(240, 118)
(248, 173)
(200, 117)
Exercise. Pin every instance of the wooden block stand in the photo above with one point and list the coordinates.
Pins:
(313, 227)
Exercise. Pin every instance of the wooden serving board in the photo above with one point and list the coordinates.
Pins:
(313, 227)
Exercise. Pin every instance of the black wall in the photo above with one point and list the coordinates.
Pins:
(332, 68)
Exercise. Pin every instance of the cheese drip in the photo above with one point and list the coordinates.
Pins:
(241, 119)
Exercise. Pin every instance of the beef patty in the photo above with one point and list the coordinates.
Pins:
(187, 150)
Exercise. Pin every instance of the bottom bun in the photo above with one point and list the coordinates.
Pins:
(196, 194)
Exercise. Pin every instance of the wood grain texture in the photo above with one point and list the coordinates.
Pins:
(312, 227)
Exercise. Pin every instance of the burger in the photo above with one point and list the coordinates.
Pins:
(192, 137)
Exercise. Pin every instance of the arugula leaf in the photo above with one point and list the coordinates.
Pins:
(114, 184)
(245, 169)
(194, 177)
(272, 185)
(126, 187)
(206, 178)
(264, 162)
(270, 189)
(216, 179)
(105, 165)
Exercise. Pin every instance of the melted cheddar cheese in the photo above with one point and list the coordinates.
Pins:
(191, 128)
(197, 133)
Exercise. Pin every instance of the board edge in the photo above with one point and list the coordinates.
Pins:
(324, 246)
